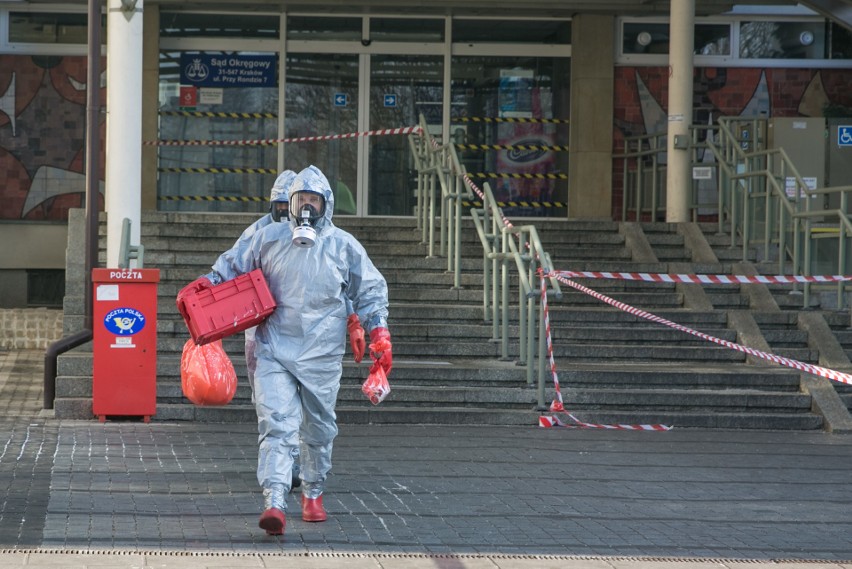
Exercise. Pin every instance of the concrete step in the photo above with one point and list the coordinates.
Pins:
(385, 413)
(678, 420)
(637, 375)
(613, 366)
(734, 400)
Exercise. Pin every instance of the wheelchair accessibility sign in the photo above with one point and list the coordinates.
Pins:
(844, 135)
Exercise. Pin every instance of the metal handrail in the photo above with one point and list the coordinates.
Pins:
(642, 151)
(761, 195)
(503, 246)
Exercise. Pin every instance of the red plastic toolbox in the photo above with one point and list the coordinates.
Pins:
(227, 308)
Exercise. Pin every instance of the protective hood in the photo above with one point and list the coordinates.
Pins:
(281, 188)
(311, 179)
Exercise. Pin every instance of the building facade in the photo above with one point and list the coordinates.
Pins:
(536, 103)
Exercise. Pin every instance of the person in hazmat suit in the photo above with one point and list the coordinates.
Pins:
(279, 202)
(278, 206)
(313, 269)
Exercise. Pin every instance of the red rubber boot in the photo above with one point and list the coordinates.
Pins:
(312, 510)
(273, 521)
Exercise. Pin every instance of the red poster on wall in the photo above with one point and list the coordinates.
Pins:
(188, 97)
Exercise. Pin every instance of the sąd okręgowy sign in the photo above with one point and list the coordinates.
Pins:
(206, 70)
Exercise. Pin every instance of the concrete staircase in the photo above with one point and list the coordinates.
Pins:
(618, 368)
(613, 367)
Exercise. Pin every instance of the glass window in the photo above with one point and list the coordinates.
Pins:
(222, 178)
(40, 27)
(841, 42)
(712, 39)
(406, 29)
(185, 25)
(323, 29)
(782, 40)
(653, 38)
(645, 37)
(512, 31)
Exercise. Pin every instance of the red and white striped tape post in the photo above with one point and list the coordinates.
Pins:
(558, 406)
(558, 403)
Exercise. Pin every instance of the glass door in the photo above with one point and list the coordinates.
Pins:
(401, 88)
(322, 99)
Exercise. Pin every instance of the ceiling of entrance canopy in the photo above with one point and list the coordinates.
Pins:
(562, 8)
(838, 10)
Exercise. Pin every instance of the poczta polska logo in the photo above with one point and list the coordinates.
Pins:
(124, 321)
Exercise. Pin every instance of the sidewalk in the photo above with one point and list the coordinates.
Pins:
(82, 494)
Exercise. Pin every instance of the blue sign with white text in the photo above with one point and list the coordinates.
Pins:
(206, 70)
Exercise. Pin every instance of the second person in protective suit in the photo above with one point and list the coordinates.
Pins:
(314, 270)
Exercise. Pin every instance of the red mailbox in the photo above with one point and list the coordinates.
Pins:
(125, 342)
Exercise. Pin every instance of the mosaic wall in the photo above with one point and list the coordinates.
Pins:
(641, 96)
(42, 136)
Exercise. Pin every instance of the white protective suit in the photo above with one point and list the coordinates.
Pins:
(300, 346)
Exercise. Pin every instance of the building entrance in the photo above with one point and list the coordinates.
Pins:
(350, 75)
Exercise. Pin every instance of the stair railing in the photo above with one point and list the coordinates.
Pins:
(438, 167)
(761, 198)
(767, 202)
(643, 176)
(821, 225)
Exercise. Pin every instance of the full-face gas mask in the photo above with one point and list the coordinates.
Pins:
(306, 208)
(279, 210)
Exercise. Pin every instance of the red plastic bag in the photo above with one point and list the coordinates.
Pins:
(207, 375)
(376, 386)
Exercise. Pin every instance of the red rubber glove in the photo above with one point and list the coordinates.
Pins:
(356, 337)
(195, 286)
(380, 348)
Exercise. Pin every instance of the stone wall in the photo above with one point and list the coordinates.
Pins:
(29, 328)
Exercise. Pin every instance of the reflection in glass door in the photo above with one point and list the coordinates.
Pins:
(522, 136)
(401, 88)
(220, 178)
(322, 99)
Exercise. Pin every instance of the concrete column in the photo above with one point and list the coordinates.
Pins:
(678, 172)
(124, 122)
(150, 103)
(590, 138)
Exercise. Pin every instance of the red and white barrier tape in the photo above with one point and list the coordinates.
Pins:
(787, 362)
(380, 132)
(702, 279)
(554, 421)
(557, 406)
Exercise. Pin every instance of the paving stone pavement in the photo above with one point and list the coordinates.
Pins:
(174, 495)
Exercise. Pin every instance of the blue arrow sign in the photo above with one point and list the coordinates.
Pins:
(390, 99)
(341, 99)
